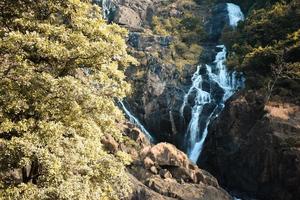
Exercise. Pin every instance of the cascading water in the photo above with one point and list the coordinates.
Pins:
(202, 98)
(207, 98)
(108, 9)
(135, 121)
(235, 14)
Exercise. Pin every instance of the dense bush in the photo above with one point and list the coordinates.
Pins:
(267, 46)
(61, 70)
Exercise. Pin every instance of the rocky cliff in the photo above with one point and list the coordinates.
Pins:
(155, 82)
(162, 172)
(161, 80)
(253, 147)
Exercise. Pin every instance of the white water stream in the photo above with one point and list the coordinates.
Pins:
(216, 73)
(135, 121)
(107, 8)
(235, 14)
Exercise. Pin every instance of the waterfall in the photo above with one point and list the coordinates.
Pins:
(135, 121)
(202, 98)
(235, 14)
(215, 74)
(201, 95)
(108, 9)
(106, 4)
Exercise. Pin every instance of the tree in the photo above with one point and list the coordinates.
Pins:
(266, 48)
(61, 70)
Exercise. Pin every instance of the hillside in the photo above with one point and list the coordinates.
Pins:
(149, 100)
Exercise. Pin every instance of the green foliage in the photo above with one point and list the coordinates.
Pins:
(52, 114)
(266, 47)
(186, 29)
(261, 59)
(246, 5)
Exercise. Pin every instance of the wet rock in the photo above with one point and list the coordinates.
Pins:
(217, 22)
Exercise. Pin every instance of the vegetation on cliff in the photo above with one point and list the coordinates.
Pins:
(266, 47)
(61, 70)
(182, 21)
(247, 5)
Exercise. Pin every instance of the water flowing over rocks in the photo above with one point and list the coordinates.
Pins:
(212, 84)
(135, 121)
(158, 86)
(212, 87)
(159, 94)
(251, 146)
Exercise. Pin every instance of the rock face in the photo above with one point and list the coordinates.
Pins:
(127, 16)
(255, 147)
(162, 172)
(132, 13)
(160, 92)
(217, 22)
(251, 146)
(159, 85)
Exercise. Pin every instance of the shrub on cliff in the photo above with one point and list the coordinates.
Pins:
(182, 21)
(266, 47)
(61, 69)
(246, 5)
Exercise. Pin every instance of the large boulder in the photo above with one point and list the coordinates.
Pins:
(164, 172)
(164, 154)
(255, 147)
(127, 16)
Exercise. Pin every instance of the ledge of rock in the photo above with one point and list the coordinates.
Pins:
(162, 172)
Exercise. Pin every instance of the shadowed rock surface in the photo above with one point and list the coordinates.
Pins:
(254, 147)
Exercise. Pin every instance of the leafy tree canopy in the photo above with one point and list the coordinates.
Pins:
(266, 47)
(61, 68)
